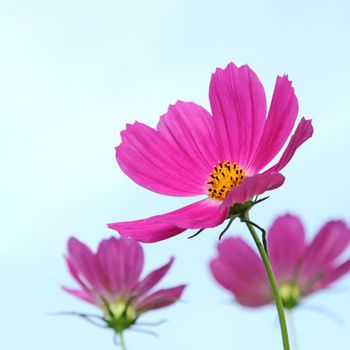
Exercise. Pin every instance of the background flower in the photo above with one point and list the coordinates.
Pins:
(301, 268)
(110, 279)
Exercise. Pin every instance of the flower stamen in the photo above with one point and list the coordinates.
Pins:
(290, 294)
(224, 177)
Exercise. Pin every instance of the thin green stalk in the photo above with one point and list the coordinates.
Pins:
(273, 283)
(122, 341)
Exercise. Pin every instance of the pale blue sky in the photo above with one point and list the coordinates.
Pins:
(73, 73)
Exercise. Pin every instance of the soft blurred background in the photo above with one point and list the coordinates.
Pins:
(72, 73)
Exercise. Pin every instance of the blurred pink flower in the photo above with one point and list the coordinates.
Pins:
(111, 280)
(301, 268)
(219, 155)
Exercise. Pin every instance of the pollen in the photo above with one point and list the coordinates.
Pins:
(224, 177)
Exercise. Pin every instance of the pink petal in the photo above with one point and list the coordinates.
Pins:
(152, 279)
(237, 254)
(238, 103)
(252, 186)
(303, 132)
(159, 299)
(75, 274)
(190, 129)
(80, 294)
(320, 256)
(279, 124)
(286, 245)
(84, 262)
(121, 262)
(146, 230)
(240, 270)
(202, 214)
(253, 300)
(334, 274)
(224, 276)
(155, 163)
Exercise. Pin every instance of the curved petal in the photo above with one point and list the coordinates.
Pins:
(75, 274)
(121, 262)
(202, 214)
(253, 300)
(146, 230)
(239, 269)
(334, 274)
(190, 129)
(241, 258)
(303, 132)
(320, 255)
(286, 245)
(238, 104)
(80, 294)
(279, 124)
(152, 279)
(159, 299)
(252, 186)
(84, 262)
(154, 163)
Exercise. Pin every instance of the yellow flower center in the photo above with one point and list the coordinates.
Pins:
(224, 177)
(290, 294)
(120, 315)
(122, 307)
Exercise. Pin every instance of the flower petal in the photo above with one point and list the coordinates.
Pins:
(146, 230)
(334, 274)
(239, 269)
(159, 299)
(75, 274)
(253, 300)
(239, 256)
(202, 214)
(286, 245)
(303, 132)
(80, 294)
(154, 163)
(279, 124)
(190, 129)
(252, 186)
(83, 259)
(238, 104)
(320, 256)
(152, 279)
(121, 262)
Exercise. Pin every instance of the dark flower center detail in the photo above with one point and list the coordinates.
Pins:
(224, 177)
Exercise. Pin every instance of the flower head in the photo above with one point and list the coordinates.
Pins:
(110, 279)
(301, 268)
(221, 155)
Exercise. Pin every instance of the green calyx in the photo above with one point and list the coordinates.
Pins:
(240, 209)
(120, 315)
(290, 295)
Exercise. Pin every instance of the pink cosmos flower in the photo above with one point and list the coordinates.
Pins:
(110, 279)
(220, 155)
(301, 268)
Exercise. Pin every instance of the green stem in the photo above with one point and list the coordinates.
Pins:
(122, 341)
(273, 283)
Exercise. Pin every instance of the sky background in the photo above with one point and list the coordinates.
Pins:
(73, 73)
